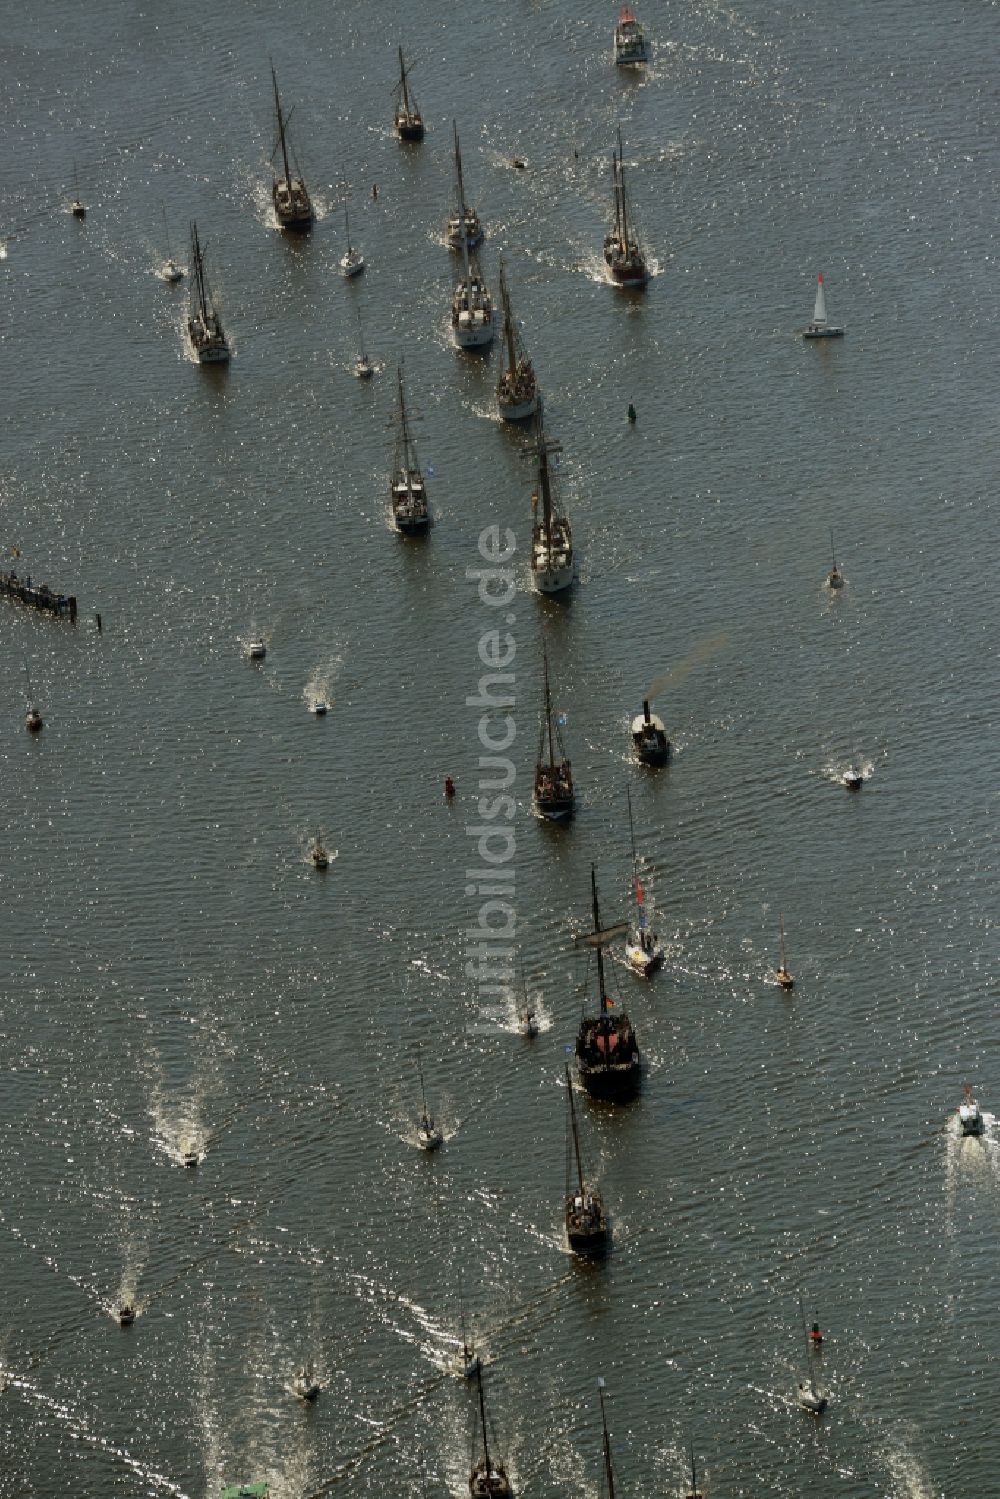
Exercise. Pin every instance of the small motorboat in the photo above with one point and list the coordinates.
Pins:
(319, 855)
(305, 1385)
(256, 650)
(363, 367)
(190, 1159)
(33, 720)
(810, 1398)
(852, 778)
(820, 327)
(528, 1025)
(171, 272)
(319, 706)
(126, 1314)
(969, 1118)
(518, 163)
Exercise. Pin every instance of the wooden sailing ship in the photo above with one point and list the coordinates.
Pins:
(406, 488)
(554, 798)
(607, 1053)
(587, 1226)
(292, 203)
(409, 121)
(623, 253)
(488, 1478)
(553, 566)
(464, 227)
(517, 388)
(205, 329)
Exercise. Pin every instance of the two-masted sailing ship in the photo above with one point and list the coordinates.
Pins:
(623, 253)
(204, 324)
(587, 1226)
(607, 1053)
(292, 203)
(553, 798)
(409, 121)
(649, 737)
(464, 227)
(406, 488)
(488, 1478)
(517, 387)
(553, 566)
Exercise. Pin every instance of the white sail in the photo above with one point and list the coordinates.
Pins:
(819, 311)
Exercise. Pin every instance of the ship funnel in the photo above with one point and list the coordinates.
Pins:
(645, 709)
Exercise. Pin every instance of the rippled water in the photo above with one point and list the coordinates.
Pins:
(176, 976)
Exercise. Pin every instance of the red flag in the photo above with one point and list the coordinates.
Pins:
(640, 893)
(609, 1002)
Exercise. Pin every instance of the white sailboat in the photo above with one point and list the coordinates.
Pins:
(820, 326)
(352, 262)
(644, 951)
(810, 1397)
(170, 271)
(782, 975)
(363, 366)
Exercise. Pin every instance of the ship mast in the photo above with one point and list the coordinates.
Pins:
(576, 1138)
(548, 707)
(598, 945)
(545, 486)
(281, 127)
(199, 273)
(508, 324)
(482, 1417)
(621, 182)
(402, 82)
(609, 1475)
(462, 225)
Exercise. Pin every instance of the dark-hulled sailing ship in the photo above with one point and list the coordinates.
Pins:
(607, 1053)
(407, 491)
(554, 797)
(488, 1478)
(292, 203)
(409, 121)
(517, 388)
(623, 253)
(586, 1221)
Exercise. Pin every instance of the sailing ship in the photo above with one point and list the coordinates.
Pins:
(586, 1221)
(810, 1397)
(517, 388)
(352, 262)
(553, 565)
(607, 1053)
(77, 206)
(363, 366)
(781, 974)
(464, 227)
(488, 1478)
(834, 578)
(406, 488)
(292, 203)
(409, 120)
(429, 1137)
(622, 252)
(170, 271)
(319, 854)
(630, 39)
(553, 797)
(969, 1117)
(643, 950)
(819, 327)
(204, 324)
(649, 737)
(32, 717)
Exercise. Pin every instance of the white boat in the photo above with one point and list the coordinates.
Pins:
(363, 367)
(289, 194)
(352, 262)
(527, 1021)
(517, 388)
(782, 975)
(464, 227)
(407, 490)
(969, 1117)
(471, 304)
(623, 254)
(204, 324)
(630, 39)
(809, 1395)
(319, 706)
(305, 1385)
(256, 650)
(834, 578)
(170, 271)
(820, 327)
(553, 564)
(852, 778)
(644, 952)
(429, 1136)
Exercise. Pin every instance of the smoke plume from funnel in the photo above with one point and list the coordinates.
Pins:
(702, 652)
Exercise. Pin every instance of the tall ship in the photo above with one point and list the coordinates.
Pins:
(517, 388)
(607, 1053)
(586, 1221)
(488, 1478)
(554, 798)
(292, 203)
(204, 324)
(463, 225)
(630, 39)
(623, 253)
(407, 491)
(409, 121)
(553, 566)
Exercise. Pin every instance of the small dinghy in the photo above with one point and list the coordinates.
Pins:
(969, 1118)
(170, 271)
(819, 327)
(305, 1385)
(256, 650)
(852, 778)
(126, 1314)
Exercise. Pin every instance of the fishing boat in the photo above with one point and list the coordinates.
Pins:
(810, 1397)
(318, 854)
(352, 262)
(553, 797)
(649, 737)
(363, 367)
(409, 120)
(170, 271)
(781, 973)
(32, 718)
(834, 578)
(204, 324)
(464, 227)
(429, 1137)
(623, 253)
(643, 950)
(517, 388)
(586, 1221)
(852, 778)
(553, 565)
(630, 40)
(406, 488)
(488, 1478)
(694, 1492)
(292, 203)
(77, 206)
(607, 1053)
(305, 1385)
(820, 327)
(969, 1117)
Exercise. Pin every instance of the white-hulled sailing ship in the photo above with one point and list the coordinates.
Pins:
(553, 566)
(820, 327)
(553, 798)
(517, 388)
(471, 306)
(409, 121)
(607, 1053)
(587, 1226)
(463, 225)
(643, 949)
(204, 324)
(623, 253)
(488, 1478)
(407, 491)
(630, 39)
(292, 203)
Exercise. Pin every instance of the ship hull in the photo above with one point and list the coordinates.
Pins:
(551, 580)
(473, 334)
(409, 127)
(823, 333)
(618, 1083)
(517, 411)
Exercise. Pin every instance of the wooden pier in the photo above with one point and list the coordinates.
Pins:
(37, 596)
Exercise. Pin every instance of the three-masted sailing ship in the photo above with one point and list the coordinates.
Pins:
(292, 203)
(517, 388)
(488, 1478)
(553, 565)
(586, 1221)
(409, 121)
(464, 227)
(204, 324)
(623, 253)
(554, 797)
(607, 1053)
(406, 489)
